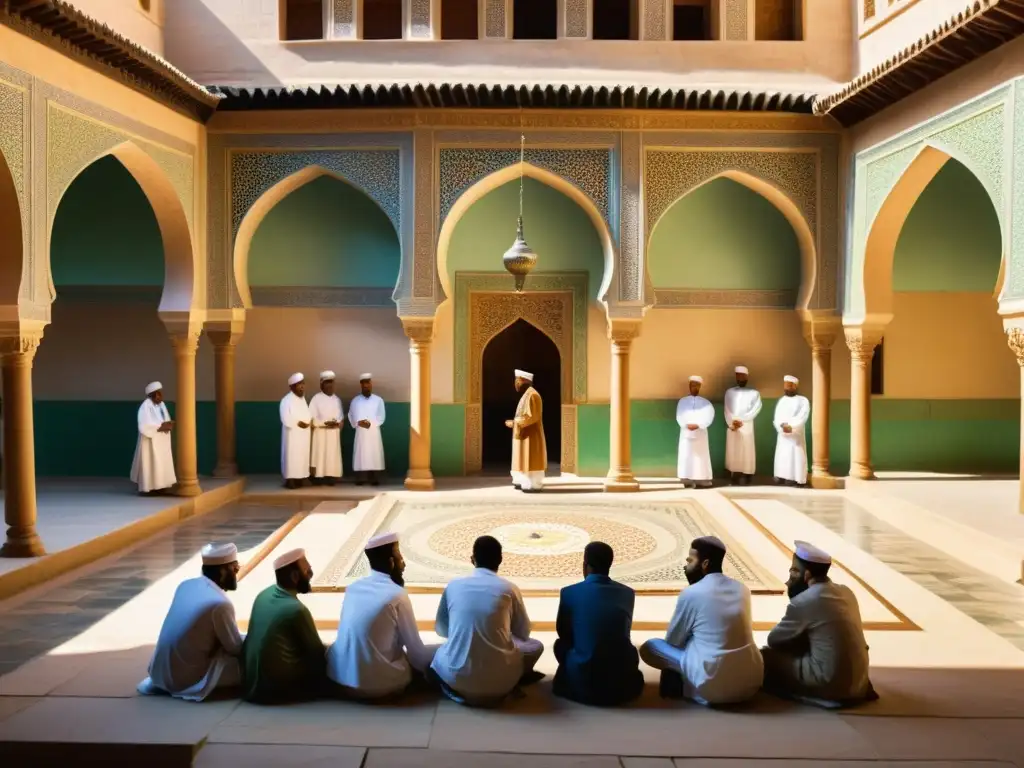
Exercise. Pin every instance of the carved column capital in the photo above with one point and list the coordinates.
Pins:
(19, 348)
(224, 338)
(622, 332)
(862, 344)
(420, 330)
(1015, 340)
(186, 342)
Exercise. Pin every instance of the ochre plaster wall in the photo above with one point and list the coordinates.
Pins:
(129, 18)
(897, 24)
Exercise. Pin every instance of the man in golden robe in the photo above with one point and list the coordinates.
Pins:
(529, 449)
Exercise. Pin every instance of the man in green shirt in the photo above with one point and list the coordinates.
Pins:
(285, 659)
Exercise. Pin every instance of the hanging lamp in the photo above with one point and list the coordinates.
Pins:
(520, 259)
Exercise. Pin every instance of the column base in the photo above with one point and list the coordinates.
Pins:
(187, 489)
(22, 545)
(621, 482)
(419, 482)
(226, 469)
(862, 472)
(825, 481)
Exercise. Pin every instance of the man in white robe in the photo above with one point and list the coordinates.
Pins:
(199, 647)
(326, 418)
(709, 654)
(694, 415)
(366, 415)
(489, 651)
(791, 414)
(295, 421)
(153, 466)
(742, 404)
(378, 648)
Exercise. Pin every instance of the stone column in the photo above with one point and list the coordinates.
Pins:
(185, 344)
(1015, 338)
(821, 336)
(19, 455)
(420, 332)
(224, 342)
(861, 344)
(620, 478)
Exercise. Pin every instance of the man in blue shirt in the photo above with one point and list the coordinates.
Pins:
(597, 662)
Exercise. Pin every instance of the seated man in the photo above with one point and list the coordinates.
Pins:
(284, 656)
(818, 653)
(709, 654)
(378, 644)
(489, 650)
(199, 645)
(597, 662)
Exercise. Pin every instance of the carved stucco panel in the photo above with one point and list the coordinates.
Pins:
(737, 20)
(343, 19)
(419, 19)
(569, 439)
(882, 175)
(577, 14)
(629, 269)
(424, 263)
(495, 23)
(1015, 272)
(655, 23)
(979, 141)
(14, 144)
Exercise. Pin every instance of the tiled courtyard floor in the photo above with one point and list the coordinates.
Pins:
(72, 650)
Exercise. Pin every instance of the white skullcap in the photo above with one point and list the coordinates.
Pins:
(792, 379)
(698, 379)
(742, 369)
(365, 376)
(220, 554)
(153, 386)
(711, 541)
(524, 375)
(811, 554)
(326, 375)
(288, 558)
(381, 540)
(295, 378)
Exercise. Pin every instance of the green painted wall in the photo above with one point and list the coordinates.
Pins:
(726, 236)
(61, 452)
(951, 241)
(555, 227)
(326, 233)
(104, 231)
(911, 435)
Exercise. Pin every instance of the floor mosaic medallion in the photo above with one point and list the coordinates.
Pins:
(542, 541)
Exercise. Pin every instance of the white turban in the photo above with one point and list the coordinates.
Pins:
(154, 386)
(381, 540)
(524, 375)
(295, 378)
(698, 379)
(365, 376)
(791, 379)
(327, 376)
(288, 558)
(811, 554)
(742, 369)
(219, 554)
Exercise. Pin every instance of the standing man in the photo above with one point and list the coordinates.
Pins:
(326, 417)
(694, 415)
(529, 449)
(199, 647)
(366, 415)
(709, 654)
(295, 433)
(791, 414)
(742, 404)
(153, 466)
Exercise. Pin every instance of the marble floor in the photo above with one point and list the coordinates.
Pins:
(947, 644)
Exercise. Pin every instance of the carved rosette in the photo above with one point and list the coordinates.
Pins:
(1015, 340)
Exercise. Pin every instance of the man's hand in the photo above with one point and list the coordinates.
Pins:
(737, 424)
(303, 425)
(510, 423)
(166, 426)
(364, 423)
(692, 427)
(787, 429)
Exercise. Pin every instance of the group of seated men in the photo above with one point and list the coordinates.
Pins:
(817, 653)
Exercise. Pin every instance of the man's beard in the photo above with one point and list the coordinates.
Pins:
(398, 578)
(790, 394)
(692, 577)
(304, 587)
(794, 588)
(229, 582)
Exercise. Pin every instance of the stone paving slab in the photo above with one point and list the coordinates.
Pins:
(276, 756)
(435, 758)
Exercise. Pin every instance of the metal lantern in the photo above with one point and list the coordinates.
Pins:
(520, 259)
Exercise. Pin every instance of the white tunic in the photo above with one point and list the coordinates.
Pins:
(294, 440)
(712, 624)
(368, 451)
(325, 454)
(480, 615)
(199, 644)
(694, 452)
(153, 466)
(741, 404)
(791, 449)
(377, 640)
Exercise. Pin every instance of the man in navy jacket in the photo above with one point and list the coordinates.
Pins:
(597, 662)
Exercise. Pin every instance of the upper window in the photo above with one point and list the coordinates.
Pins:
(382, 19)
(302, 19)
(535, 19)
(615, 20)
(778, 20)
(460, 20)
(691, 20)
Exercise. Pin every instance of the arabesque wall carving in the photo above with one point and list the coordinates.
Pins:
(15, 146)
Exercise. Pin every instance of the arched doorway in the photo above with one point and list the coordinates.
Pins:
(522, 346)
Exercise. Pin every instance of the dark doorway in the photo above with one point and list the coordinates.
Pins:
(519, 346)
(535, 20)
(460, 20)
(615, 19)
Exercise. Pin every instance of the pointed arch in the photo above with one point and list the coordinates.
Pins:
(258, 212)
(805, 238)
(509, 173)
(12, 244)
(884, 230)
(179, 289)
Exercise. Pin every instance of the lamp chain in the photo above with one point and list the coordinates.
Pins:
(522, 158)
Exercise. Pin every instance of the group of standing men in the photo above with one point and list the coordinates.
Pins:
(817, 653)
(695, 414)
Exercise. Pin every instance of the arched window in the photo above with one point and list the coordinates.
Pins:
(615, 20)
(535, 20)
(301, 19)
(460, 20)
(382, 20)
(778, 20)
(691, 20)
